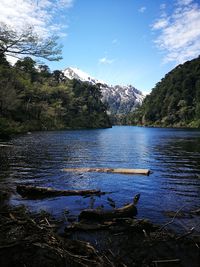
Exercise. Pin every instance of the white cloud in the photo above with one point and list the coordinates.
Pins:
(160, 23)
(163, 6)
(105, 60)
(184, 2)
(179, 32)
(40, 14)
(65, 3)
(115, 41)
(142, 9)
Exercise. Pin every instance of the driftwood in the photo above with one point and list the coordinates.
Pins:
(5, 145)
(129, 210)
(36, 242)
(170, 262)
(109, 170)
(34, 192)
(76, 226)
(114, 225)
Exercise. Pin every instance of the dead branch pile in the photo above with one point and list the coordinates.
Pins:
(127, 241)
(31, 241)
(133, 242)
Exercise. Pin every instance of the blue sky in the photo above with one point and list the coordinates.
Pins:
(119, 41)
(113, 41)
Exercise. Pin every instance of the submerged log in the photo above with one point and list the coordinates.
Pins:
(129, 210)
(109, 170)
(34, 192)
(76, 226)
(116, 224)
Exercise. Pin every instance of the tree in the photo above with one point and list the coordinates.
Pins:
(3, 61)
(175, 100)
(27, 43)
(58, 76)
(27, 64)
(44, 71)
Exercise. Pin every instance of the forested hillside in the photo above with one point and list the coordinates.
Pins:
(175, 100)
(33, 98)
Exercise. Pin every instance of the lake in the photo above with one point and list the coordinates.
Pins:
(173, 155)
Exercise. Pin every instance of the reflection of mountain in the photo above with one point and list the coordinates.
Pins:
(120, 99)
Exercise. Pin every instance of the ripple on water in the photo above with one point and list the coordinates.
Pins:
(172, 154)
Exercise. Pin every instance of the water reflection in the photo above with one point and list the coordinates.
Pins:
(172, 154)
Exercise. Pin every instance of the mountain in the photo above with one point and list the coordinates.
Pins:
(175, 100)
(120, 99)
(75, 73)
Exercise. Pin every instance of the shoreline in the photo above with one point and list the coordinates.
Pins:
(33, 240)
(14, 134)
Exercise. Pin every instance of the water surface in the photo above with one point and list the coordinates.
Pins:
(173, 155)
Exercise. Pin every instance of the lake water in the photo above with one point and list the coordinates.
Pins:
(173, 155)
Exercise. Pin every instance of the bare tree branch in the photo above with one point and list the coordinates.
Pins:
(28, 43)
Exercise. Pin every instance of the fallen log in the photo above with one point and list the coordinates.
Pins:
(129, 210)
(34, 192)
(116, 224)
(109, 170)
(76, 226)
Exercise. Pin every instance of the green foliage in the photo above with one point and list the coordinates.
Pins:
(175, 100)
(33, 98)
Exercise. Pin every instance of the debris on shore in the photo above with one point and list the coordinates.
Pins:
(31, 240)
(34, 240)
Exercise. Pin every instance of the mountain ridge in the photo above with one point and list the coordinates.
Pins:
(121, 99)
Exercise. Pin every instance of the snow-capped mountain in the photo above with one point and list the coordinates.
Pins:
(75, 73)
(120, 99)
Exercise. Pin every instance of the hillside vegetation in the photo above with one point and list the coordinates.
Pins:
(33, 98)
(175, 100)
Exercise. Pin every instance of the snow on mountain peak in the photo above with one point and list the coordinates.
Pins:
(76, 73)
(121, 99)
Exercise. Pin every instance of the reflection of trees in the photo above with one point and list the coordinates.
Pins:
(183, 152)
(4, 163)
(4, 174)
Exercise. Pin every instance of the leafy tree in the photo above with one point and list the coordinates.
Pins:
(175, 100)
(3, 61)
(26, 64)
(44, 70)
(58, 76)
(32, 98)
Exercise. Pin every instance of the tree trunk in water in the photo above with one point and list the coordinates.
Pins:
(129, 210)
(34, 192)
(109, 170)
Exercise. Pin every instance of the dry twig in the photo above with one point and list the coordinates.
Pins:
(172, 220)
